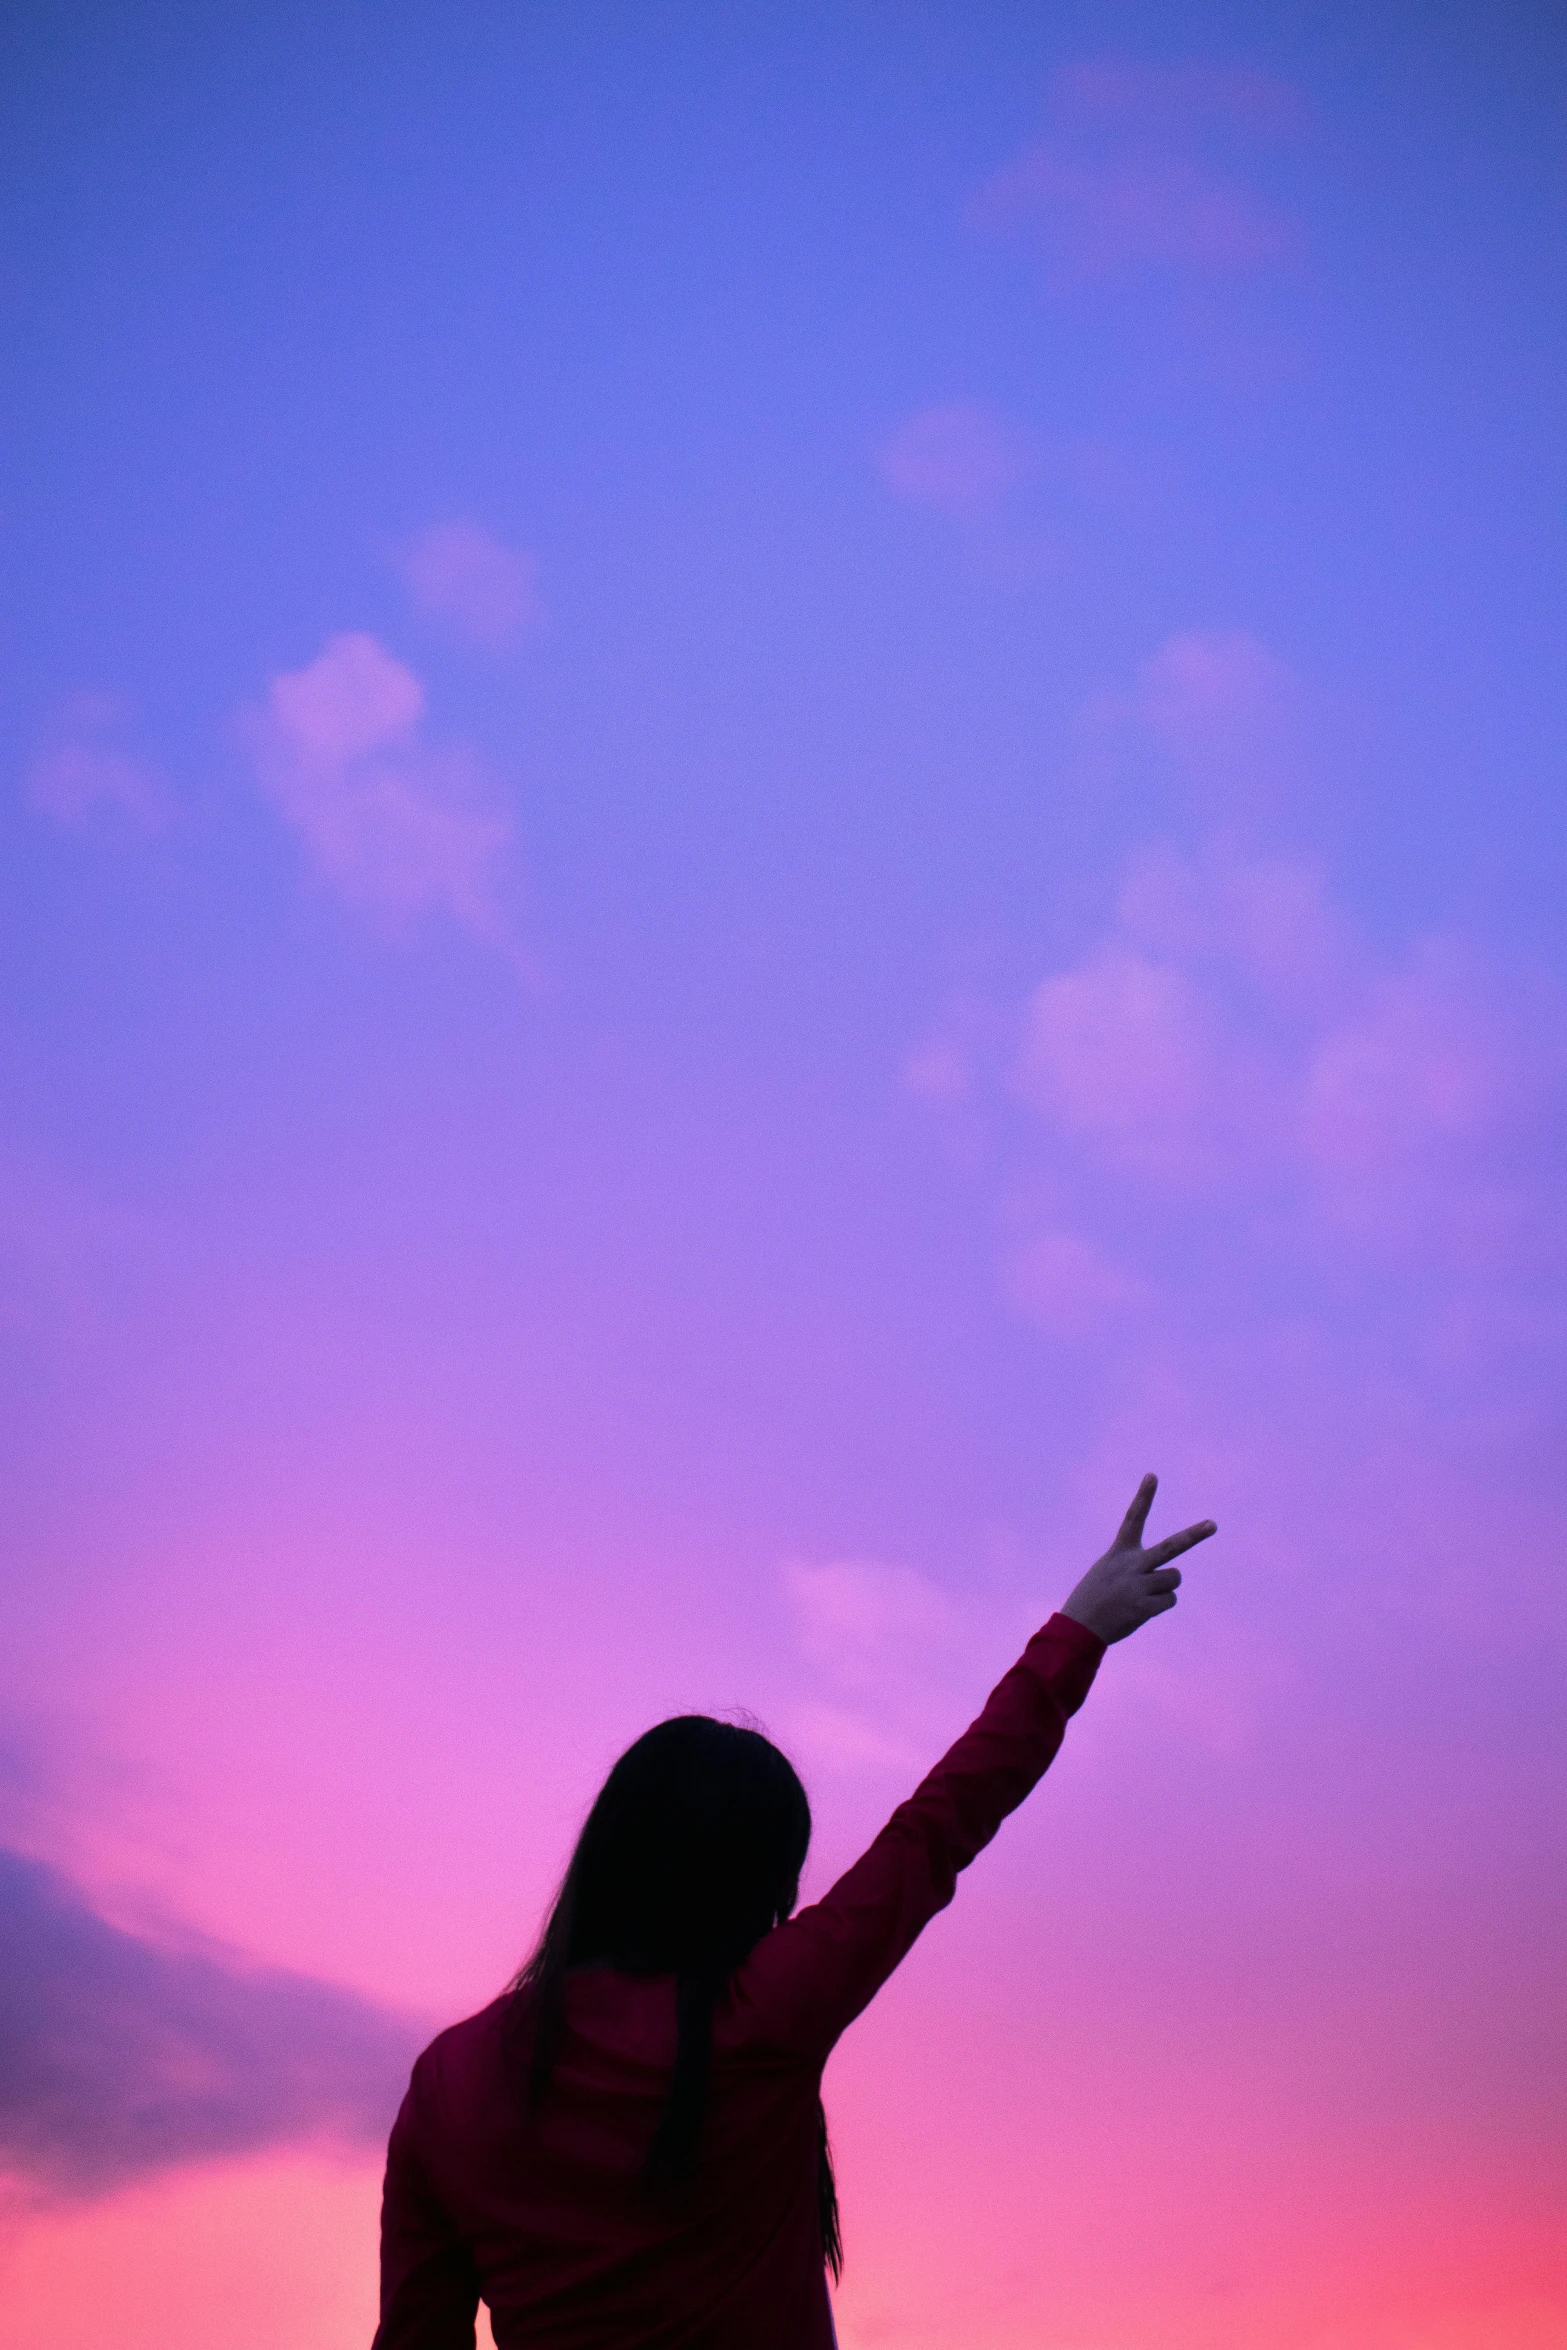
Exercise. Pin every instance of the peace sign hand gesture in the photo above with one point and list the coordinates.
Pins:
(1130, 1584)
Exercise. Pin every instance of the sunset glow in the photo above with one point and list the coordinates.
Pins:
(779, 786)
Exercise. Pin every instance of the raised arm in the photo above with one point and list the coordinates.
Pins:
(811, 1977)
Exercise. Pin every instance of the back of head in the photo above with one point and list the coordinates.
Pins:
(692, 1851)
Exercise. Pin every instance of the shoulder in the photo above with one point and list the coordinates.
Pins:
(463, 2052)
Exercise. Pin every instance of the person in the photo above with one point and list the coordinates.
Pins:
(627, 2150)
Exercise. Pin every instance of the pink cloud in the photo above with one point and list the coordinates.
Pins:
(880, 1640)
(394, 822)
(1206, 686)
(80, 769)
(1070, 1287)
(1098, 217)
(1436, 1113)
(960, 458)
(1420, 1108)
(353, 699)
(461, 573)
(1129, 90)
(951, 1073)
(1124, 180)
(1417, 1067)
(1229, 1035)
(1119, 1040)
(1132, 1058)
(1221, 710)
(1267, 918)
(856, 1615)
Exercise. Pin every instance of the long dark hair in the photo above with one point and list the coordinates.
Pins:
(691, 1853)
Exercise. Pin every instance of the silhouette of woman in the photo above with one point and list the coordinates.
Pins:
(627, 2150)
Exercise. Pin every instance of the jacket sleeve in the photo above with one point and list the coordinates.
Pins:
(811, 1977)
(429, 2289)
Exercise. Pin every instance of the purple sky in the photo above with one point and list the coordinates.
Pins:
(780, 785)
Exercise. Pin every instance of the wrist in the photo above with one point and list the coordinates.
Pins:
(1082, 1611)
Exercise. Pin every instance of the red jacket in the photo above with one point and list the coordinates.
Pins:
(547, 2217)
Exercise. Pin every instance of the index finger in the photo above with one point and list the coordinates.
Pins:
(1131, 1534)
(1173, 1544)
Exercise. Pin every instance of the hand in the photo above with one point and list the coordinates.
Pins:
(1130, 1584)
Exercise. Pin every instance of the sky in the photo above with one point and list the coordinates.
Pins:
(777, 786)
